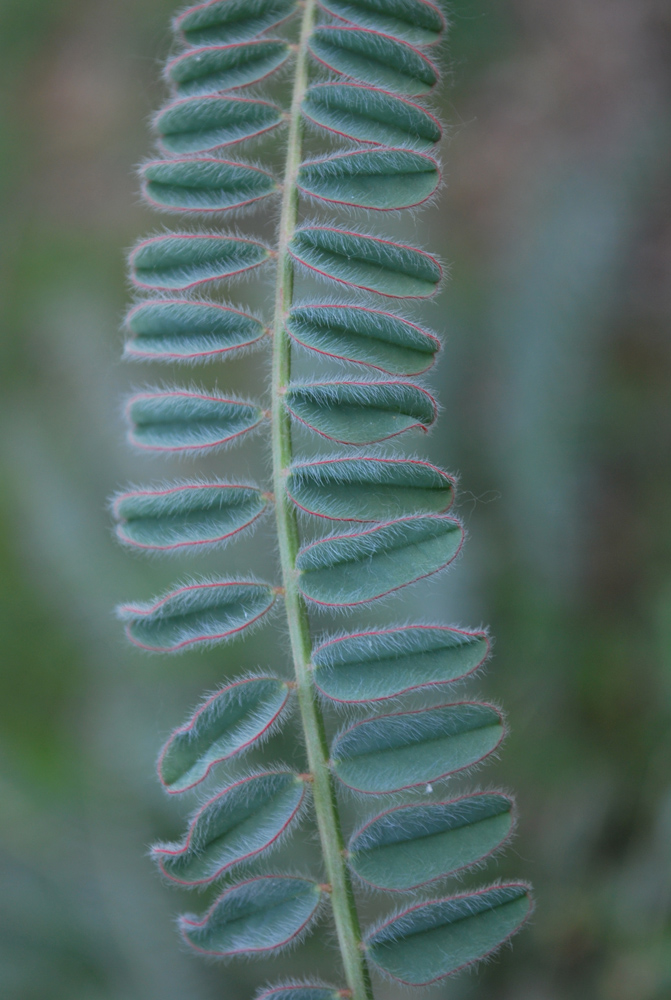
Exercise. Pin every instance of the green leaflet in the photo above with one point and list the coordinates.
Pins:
(225, 67)
(367, 262)
(179, 330)
(370, 115)
(186, 514)
(408, 846)
(240, 823)
(183, 260)
(198, 612)
(381, 179)
(361, 566)
(204, 184)
(417, 21)
(179, 420)
(367, 336)
(199, 124)
(431, 940)
(369, 488)
(300, 991)
(361, 412)
(228, 722)
(230, 20)
(261, 915)
(389, 753)
(374, 58)
(387, 662)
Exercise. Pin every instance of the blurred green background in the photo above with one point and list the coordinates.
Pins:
(555, 387)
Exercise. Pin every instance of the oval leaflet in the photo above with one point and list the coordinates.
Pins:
(374, 665)
(389, 753)
(178, 420)
(432, 940)
(354, 568)
(186, 514)
(379, 179)
(199, 612)
(188, 330)
(369, 488)
(366, 336)
(228, 722)
(204, 184)
(260, 915)
(238, 824)
(410, 845)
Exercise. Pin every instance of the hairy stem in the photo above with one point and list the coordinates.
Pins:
(328, 822)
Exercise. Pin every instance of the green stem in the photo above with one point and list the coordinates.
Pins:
(328, 820)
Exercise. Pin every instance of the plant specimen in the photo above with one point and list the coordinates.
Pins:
(360, 73)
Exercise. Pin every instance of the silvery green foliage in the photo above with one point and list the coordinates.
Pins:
(389, 515)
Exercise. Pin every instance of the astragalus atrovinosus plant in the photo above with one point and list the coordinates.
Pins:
(361, 74)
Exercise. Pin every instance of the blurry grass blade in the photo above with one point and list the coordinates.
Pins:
(346, 570)
(182, 330)
(366, 336)
(228, 722)
(230, 20)
(370, 114)
(367, 262)
(429, 941)
(361, 412)
(374, 58)
(225, 67)
(390, 753)
(369, 488)
(264, 914)
(198, 612)
(382, 179)
(410, 845)
(388, 662)
(237, 825)
(181, 420)
(417, 21)
(199, 124)
(204, 184)
(179, 261)
(186, 514)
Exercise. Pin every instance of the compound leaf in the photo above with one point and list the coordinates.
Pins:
(351, 569)
(369, 114)
(360, 412)
(389, 753)
(204, 184)
(238, 824)
(369, 488)
(301, 991)
(184, 260)
(183, 330)
(417, 21)
(227, 723)
(429, 941)
(388, 662)
(367, 262)
(225, 67)
(374, 58)
(178, 420)
(260, 915)
(199, 124)
(364, 336)
(198, 612)
(186, 514)
(380, 179)
(230, 20)
(410, 845)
